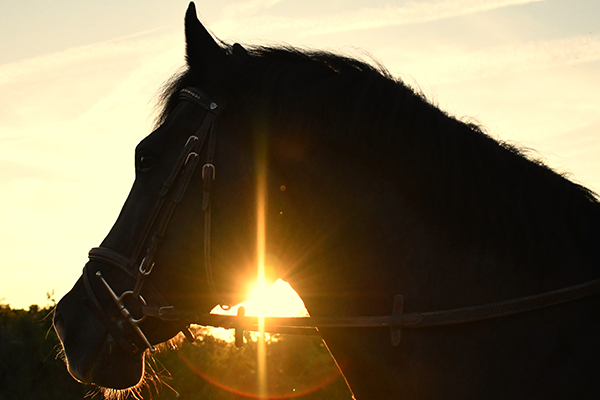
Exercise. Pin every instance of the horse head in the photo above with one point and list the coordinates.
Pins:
(158, 240)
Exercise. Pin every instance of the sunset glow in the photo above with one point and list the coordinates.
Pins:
(276, 300)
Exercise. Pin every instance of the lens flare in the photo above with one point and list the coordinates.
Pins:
(326, 378)
(261, 251)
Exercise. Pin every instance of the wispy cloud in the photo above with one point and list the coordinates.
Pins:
(453, 64)
(247, 8)
(410, 13)
(132, 45)
(361, 19)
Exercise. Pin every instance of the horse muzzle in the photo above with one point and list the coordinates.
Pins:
(91, 355)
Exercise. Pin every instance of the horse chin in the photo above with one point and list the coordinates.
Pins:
(112, 368)
(117, 372)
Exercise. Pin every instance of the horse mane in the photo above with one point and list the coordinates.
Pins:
(457, 173)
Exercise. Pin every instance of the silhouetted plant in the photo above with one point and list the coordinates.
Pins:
(297, 366)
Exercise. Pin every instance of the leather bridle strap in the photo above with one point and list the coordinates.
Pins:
(113, 258)
(94, 305)
(181, 175)
(208, 176)
(396, 321)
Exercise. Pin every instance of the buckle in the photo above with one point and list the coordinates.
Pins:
(144, 271)
(208, 167)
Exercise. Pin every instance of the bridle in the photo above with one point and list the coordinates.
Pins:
(169, 196)
(174, 188)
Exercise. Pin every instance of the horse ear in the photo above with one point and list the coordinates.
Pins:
(203, 53)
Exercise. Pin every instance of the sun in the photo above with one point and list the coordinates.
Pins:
(277, 300)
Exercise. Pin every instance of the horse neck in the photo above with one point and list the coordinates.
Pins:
(373, 235)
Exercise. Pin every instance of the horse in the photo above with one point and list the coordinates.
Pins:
(371, 202)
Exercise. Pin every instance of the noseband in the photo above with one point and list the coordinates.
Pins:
(133, 312)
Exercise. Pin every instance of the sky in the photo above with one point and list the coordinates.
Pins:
(78, 82)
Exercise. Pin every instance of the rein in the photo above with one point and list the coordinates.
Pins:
(395, 322)
(175, 187)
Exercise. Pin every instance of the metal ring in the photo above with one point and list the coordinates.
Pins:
(130, 316)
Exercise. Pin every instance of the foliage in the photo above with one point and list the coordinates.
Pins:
(29, 366)
(297, 367)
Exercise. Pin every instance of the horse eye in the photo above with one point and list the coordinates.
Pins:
(145, 163)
